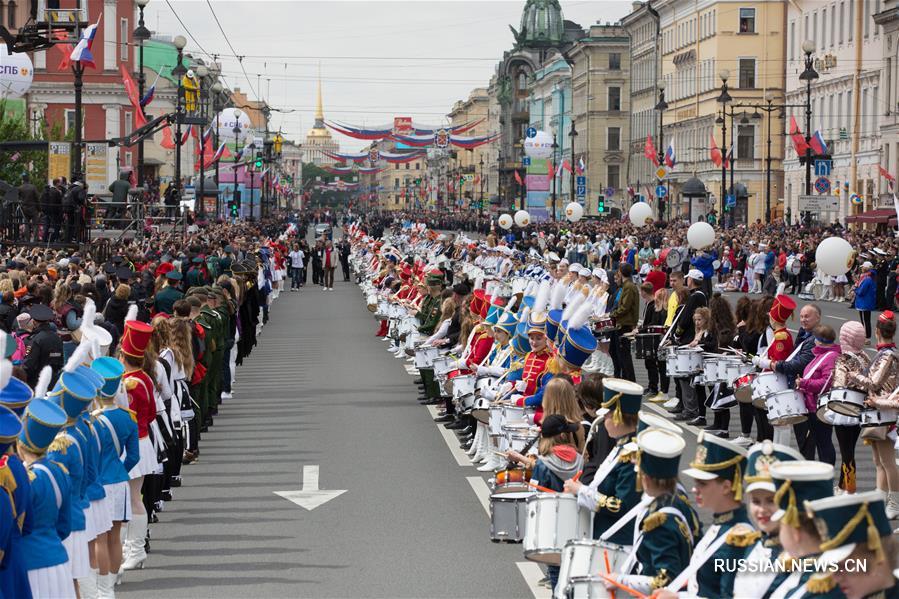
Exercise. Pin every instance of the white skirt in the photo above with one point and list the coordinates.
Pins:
(147, 463)
(99, 513)
(79, 555)
(119, 497)
(54, 582)
(277, 275)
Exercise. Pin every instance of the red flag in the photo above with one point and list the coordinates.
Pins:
(551, 167)
(799, 143)
(886, 174)
(566, 166)
(518, 179)
(715, 153)
(649, 150)
(133, 96)
(66, 50)
(167, 140)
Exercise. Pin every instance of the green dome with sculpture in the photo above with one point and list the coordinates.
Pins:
(541, 24)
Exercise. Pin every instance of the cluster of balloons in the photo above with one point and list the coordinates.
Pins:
(521, 218)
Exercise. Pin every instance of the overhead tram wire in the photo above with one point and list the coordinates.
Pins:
(236, 55)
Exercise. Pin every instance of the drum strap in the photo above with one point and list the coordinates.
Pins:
(56, 491)
(630, 515)
(115, 438)
(638, 540)
(817, 365)
(696, 563)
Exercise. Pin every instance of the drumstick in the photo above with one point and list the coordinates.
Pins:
(605, 555)
(577, 476)
(540, 488)
(623, 587)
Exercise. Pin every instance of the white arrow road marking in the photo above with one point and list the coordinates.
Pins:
(309, 496)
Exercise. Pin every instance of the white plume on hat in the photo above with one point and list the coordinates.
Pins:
(43, 382)
(580, 316)
(558, 296)
(542, 298)
(132, 313)
(572, 306)
(78, 357)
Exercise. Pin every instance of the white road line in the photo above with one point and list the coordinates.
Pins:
(532, 575)
(480, 488)
(451, 441)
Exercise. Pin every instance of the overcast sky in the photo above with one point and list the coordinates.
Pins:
(412, 58)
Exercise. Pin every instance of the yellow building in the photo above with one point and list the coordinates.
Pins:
(471, 165)
(400, 185)
(745, 42)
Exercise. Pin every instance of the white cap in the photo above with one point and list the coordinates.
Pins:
(563, 262)
(553, 257)
(696, 275)
(867, 264)
(802, 470)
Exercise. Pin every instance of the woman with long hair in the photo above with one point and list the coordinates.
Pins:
(722, 329)
(560, 398)
(747, 341)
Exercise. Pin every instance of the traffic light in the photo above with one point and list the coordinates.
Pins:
(258, 163)
(234, 205)
(601, 205)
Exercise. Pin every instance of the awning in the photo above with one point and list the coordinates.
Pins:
(878, 216)
(153, 161)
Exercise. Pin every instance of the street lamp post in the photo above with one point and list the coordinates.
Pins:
(236, 130)
(216, 93)
(481, 202)
(178, 72)
(555, 146)
(808, 75)
(723, 98)
(141, 34)
(661, 106)
(573, 134)
(202, 73)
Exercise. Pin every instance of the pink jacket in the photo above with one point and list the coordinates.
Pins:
(816, 376)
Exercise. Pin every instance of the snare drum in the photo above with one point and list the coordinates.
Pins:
(685, 361)
(847, 402)
(465, 403)
(508, 516)
(766, 383)
(582, 558)
(646, 345)
(743, 387)
(425, 355)
(656, 330)
(513, 414)
(586, 587)
(710, 368)
(443, 365)
(730, 368)
(480, 411)
(553, 520)
(463, 385)
(496, 420)
(511, 480)
(372, 302)
(485, 383)
(519, 440)
(786, 407)
(872, 417)
(828, 416)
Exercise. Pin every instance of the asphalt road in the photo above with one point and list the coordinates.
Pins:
(321, 390)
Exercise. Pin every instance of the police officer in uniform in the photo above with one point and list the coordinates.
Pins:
(45, 347)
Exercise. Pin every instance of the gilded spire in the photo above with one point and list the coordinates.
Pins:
(319, 110)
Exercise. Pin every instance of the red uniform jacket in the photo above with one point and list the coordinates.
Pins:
(141, 400)
(781, 346)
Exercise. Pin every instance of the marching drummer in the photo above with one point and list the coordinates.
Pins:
(853, 359)
(429, 316)
(663, 539)
(613, 491)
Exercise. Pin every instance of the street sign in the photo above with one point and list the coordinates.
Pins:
(822, 185)
(610, 191)
(581, 180)
(526, 161)
(662, 172)
(581, 190)
(310, 496)
(822, 168)
(822, 203)
(661, 191)
(468, 177)
(730, 200)
(531, 132)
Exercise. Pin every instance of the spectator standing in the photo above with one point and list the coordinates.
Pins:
(28, 200)
(297, 264)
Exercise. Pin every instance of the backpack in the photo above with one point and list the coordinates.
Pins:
(18, 356)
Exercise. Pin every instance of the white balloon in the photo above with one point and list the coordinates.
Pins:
(700, 235)
(539, 146)
(522, 218)
(574, 212)
(639, 213)
(16, 74)
(505, 221)
(227, 120)
(833, 256)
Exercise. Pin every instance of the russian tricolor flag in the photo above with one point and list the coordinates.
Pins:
(82, 51)
(670, 158)
(819, 146)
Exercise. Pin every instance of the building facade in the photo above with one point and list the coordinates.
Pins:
(469, 170)
(847, 100)
(319, 140)
(888, 20)
(401, 186)
(601, 70)
(700, 42)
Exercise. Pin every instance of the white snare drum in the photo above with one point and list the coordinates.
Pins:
(587, 587)
(485, 383)
(765, 384)
(372, 302)
(395, 311)
(500, 442)
(685, 361)
(465, 403)
(730, 368)
(480, 411)
(710, 368)
(848, 402)
(513, 414)
(582, 558)
(424, 356)
(743, 387)
(443, 365)
(553, 520)
(794, 265)
(381, 311)
(496, 420)
(508, 516)
(830, 417)
(871, 417)
(786, 407)
(463, 385)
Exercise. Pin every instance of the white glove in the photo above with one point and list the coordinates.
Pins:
(483, 371)
(505, 388)
(495, 370)
(521, 385)
(488, 394)
(460, 365)
(761, 362)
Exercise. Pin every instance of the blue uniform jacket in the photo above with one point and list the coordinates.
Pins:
(13, 571)
(114, 468)
(68, 449)
(51, 512)
(94, 489)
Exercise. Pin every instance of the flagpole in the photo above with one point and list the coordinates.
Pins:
(141, 34)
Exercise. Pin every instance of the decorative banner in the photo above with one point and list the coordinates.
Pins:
(228, 121)
(386, 131)
(540, 146)
(95, 174)
(60, 160)
(374, 155)
(402, 125)
(385, 156)
(16, 73)
(441, 138)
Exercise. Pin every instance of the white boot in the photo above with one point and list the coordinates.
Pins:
(137, 531)
(479, 445)
(492, 464)
(892, 505)
(475, 444)
(484, 454)
(106, 586)
(87, 586)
